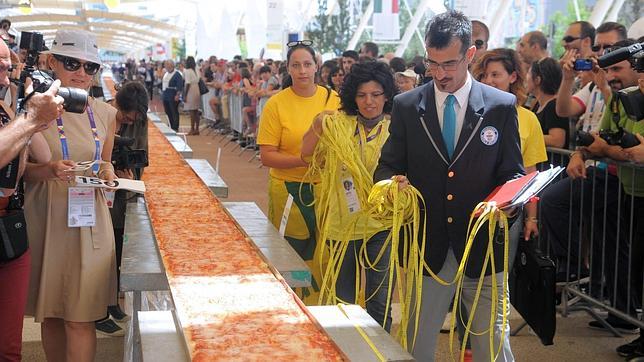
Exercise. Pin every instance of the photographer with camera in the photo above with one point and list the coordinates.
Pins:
(19, 139)
(73, 276)
(129, 157)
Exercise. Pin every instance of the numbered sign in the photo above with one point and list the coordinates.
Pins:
(118, 184)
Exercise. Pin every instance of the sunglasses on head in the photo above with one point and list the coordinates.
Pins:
(73, 64)
(570, 38)
(306, 43)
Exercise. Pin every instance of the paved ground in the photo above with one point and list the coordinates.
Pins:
(248, 182)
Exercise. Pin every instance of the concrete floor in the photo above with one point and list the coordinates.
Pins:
(248, 182)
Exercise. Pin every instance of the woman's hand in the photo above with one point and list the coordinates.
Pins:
(403, 182)
(61, 169)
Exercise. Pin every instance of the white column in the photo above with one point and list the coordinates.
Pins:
(360, 29)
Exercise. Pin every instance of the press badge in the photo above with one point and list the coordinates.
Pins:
(351, 195)
(81, 209)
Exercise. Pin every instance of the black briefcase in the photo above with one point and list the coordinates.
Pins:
(532, 290)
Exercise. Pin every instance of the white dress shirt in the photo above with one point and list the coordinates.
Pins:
(166, 79)
(460, 106)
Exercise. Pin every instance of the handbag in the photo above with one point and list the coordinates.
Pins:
(532, 290)
(203, 89)
(13, 236)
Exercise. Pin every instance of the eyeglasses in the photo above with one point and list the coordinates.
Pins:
(570, 38)
(479, 43)
(306, 43)
(449, 66)
(372, 95)
(73, 64)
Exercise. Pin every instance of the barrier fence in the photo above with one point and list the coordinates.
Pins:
(593, 229)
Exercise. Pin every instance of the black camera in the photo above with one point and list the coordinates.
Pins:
(614, 138)
(633, 53)
(75, 99)
(633, 101)
(124, 157)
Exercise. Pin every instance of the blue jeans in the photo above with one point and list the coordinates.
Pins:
(377, 280)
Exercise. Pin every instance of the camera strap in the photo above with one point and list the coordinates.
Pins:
(97, 141)
(614, 110)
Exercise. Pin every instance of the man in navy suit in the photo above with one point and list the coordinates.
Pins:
(455, 140)
(172, 88)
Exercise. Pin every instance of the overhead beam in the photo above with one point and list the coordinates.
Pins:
(132, 19)
(44, 17)
(412, 27)
(361, 26)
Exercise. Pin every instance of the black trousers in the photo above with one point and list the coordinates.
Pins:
(171, 108)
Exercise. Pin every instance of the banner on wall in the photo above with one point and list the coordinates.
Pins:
(274, 29)
(386, 25)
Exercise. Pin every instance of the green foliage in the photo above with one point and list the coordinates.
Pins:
(561, 22)
(331, 33)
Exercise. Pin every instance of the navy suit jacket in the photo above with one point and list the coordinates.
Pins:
(175, 85)
(488, 154)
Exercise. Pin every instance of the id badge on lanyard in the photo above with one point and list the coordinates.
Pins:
(97, 142)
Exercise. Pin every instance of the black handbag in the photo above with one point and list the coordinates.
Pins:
(203, 89)
(13, 236)
(532, 290)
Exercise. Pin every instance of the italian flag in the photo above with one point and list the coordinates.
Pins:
(385, 6)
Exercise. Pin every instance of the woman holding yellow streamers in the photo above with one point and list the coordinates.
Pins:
(345, 148)
(284, 120)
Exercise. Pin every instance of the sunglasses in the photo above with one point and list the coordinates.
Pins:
(73, 64)
(479, 43)
(306, 43)
(600, 48)
(570, 38)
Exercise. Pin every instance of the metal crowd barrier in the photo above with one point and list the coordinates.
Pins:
(235, 109)
(588, 227)
(206, 110)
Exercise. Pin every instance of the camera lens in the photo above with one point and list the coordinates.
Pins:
(75, 99)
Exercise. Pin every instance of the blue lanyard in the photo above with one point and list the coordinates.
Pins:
(97, 141)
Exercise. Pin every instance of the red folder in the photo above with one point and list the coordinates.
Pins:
(507, 193)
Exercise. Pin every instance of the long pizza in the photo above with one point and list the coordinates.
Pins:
(231, 304)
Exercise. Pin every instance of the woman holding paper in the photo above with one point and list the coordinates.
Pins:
(73, 277)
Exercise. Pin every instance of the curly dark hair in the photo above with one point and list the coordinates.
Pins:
(362, 73)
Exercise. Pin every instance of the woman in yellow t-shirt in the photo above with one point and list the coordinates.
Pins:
(501, 69)
(361, 128)
(285, 118)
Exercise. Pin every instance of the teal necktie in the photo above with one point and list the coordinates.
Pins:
(449, 124)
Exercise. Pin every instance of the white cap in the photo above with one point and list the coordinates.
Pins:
(409, 73)
(75, 43)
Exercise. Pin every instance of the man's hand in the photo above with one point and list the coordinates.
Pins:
(403, 182)
(61, 169)
(636, 153)
(599, 78)
(530, 228)
(598, 147)
(176, 97)
(576, 167)
(43, 108)
(567, 62)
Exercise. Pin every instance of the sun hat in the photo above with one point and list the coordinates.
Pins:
(75, 43)
(409, 73)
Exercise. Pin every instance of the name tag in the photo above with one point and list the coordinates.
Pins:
(351, 195)
(81, 207)
(109, 198)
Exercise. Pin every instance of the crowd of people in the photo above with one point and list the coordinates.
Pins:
(462, 113)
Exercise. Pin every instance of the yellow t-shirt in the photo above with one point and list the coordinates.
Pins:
(339, 218)
(533, 147)
(285, 119)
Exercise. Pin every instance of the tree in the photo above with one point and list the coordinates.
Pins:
(561, 21)
(331, 33)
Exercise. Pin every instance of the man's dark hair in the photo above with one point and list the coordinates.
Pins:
(397, 64)
(132, 96)
(613, 26)
(4, 22)
(371, 47)
(485, 28)
(549, 71)
(443, 27)
(237, 57)
(331, 63)
(351, 54)
(264, 69)
(362, 73)
(587, 30)
(537, 37)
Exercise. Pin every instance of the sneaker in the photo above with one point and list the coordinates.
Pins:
(622, 327)
(626, 350)
(637, 355)
(117, 314)
(107, 327)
